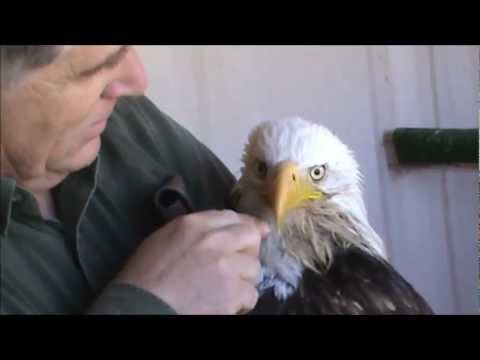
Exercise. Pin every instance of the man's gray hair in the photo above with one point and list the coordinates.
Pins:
(15, 61)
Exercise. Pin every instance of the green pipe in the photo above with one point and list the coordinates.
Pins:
(436, 146)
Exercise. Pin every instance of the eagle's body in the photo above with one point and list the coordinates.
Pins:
(355, 284)
(322, 256)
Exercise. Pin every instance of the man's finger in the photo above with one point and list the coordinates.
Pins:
(238, 238)
(249, 298)
(244, 265)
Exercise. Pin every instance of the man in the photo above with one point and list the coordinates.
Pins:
(83, 157)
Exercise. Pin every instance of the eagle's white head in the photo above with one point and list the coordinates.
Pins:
(306, 183)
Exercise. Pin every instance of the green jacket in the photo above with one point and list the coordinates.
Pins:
(105, 211)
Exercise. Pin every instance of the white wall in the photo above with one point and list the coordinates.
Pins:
(428, 216)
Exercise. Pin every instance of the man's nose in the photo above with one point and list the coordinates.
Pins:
(131, 79)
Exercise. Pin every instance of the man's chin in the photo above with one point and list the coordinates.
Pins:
(86, 156)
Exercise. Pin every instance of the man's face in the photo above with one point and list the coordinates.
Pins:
(51, 121)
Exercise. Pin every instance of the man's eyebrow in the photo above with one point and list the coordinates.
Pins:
(109, 62)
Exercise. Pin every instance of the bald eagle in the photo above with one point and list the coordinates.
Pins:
(322, 255)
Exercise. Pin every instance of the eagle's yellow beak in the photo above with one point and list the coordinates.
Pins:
(290, 190)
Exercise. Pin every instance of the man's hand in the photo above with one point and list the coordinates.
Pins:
(203, 263)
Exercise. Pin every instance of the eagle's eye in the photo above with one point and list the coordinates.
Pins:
(318, 172)
(261, 169)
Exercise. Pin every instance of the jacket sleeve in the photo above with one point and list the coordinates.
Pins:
(126, 299)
